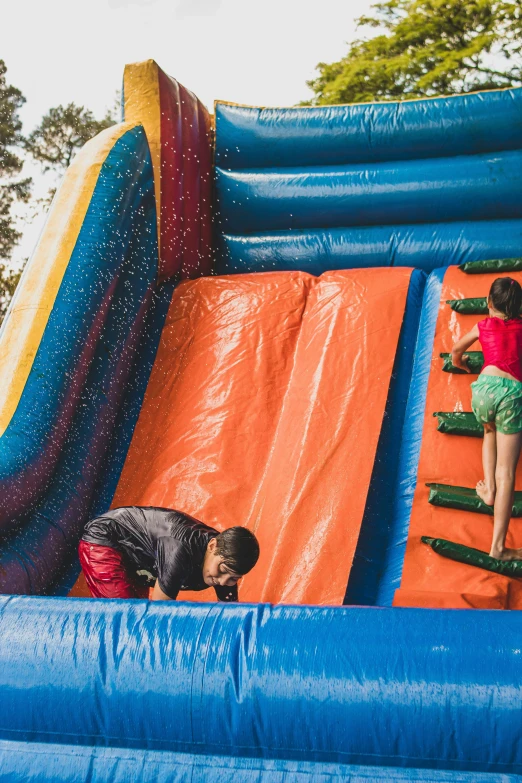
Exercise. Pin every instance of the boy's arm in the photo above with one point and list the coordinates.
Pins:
(462, 345)
(159, 595)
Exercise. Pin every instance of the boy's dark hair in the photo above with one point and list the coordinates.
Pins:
(506, 296)
(239, 549)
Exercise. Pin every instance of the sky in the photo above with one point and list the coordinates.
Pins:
(259, 53)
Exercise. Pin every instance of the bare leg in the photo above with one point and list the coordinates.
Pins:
(508, 452)
(486, 489)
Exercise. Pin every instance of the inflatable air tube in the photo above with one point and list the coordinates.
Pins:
(45, 761)
(400, 512)
(365, 582)
(309, 684)
(97, 226)
(255, 137)
(473, 557)
(179, 133)
(469, 187)
(317, 250)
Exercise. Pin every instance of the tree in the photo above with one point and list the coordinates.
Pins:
(424, 48)
(61, 133)
(8, 281)
(11, 188)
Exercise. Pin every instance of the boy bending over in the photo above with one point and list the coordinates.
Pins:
(127, 550)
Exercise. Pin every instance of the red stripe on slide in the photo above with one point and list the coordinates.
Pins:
(171, 212)
(206, 189)
(191, 208)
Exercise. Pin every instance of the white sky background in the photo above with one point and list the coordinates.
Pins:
(260, 53)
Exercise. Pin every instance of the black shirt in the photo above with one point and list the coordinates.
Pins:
(158, 543)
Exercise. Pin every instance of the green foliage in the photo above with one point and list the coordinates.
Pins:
(424, 48)
(11, 188)
(61, 133)
(8, 281)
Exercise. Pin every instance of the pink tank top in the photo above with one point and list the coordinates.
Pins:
(501, 343)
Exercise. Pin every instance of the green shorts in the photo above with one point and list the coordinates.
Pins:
(498, 400)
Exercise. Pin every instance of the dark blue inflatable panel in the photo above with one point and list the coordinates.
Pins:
(45, 763)
(376, 529)
(34, 557)
(123, 200)
(423, 246)
(469, 187)
(252, 137)
(134, 393)
(397, 687)
(400, 510)
(122, 431)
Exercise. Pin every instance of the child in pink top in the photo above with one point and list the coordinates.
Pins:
(497, 403)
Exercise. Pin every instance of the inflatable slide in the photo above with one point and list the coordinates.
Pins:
(246, 316)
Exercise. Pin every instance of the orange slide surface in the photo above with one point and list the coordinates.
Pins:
(428, 579)
(264, 409)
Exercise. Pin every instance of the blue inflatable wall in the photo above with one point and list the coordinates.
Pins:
(422, 183)
(305, 691)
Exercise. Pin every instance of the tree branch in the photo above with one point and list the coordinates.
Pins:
(508, 76)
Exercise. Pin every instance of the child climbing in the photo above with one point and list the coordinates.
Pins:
(497, 403)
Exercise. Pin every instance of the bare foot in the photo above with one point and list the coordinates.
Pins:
(485, 494)
(506, 554)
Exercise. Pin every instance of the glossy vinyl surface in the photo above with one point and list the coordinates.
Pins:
(423, 183)
(113, 238)
(257, 681)
(492, 264)
(316, 250)
(42, 761)
(262, 386)
(466, 499)
(369, 577)
(470, 306)
(109, 468)
(430, 580)
(252, 136)
(459, 423)
(279, 400)
(108, 281)
(473, 557)
(178, 129)
(468, 187)
(475, 363)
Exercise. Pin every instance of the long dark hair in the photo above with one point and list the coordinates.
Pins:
(505, 296)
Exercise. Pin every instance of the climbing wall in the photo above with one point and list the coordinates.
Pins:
(445, 503)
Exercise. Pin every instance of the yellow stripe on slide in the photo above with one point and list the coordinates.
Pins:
(38, 288)
(141, 96)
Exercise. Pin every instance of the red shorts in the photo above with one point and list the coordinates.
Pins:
(105, 573)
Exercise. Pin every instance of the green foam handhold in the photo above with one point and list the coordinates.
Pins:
(469, 306)
(466, 499)
(475, 363)
(459, 423)
(474, 557)
(492, 265)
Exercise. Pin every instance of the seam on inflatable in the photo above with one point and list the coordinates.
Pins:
(409, 454)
